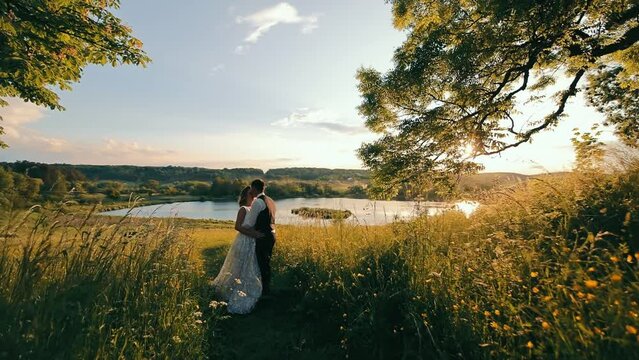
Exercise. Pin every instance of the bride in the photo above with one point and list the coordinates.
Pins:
(238, 282)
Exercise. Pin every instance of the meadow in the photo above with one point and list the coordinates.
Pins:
(544, 269)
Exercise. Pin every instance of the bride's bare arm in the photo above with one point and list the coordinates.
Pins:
(246, 231)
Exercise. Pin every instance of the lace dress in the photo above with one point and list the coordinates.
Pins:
(238, 282)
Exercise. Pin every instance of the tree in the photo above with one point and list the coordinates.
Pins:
(46, 44)
(467, 67)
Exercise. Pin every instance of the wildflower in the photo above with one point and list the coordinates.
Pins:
(578, 318)
(486, 313)
(455, 307)
(530, 345)
(176, 339)
(614, 259)
(535, 290)
(615, 277)
(591, 269)
(534, 274)
(591, 284)
(494, 325)
(629, 259)
(591, 297)
(591, 237)
(545, 325)
(547, 298)
(197, 314)
(631, 330)
(555, 313)
(581, 295)
(497, 312)
(599, 332)
(633, 314)
(507, 328)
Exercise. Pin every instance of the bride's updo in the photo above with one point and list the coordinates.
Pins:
(244, 196)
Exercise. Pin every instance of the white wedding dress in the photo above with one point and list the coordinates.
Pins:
(239, 282)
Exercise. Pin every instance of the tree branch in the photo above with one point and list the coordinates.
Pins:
(550, 119)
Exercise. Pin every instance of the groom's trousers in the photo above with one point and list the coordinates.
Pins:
(263, 251)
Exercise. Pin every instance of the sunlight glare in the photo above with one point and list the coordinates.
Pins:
(466, 207)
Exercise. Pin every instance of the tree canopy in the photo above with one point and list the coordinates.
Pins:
(45, 44)
(467, 67)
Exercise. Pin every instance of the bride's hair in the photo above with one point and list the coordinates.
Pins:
(244, 195)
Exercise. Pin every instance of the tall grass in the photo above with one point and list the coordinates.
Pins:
(80, 286)
(544, 269)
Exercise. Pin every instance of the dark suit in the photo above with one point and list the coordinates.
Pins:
(264, 245)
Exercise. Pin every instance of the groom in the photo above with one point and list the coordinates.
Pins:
(263, 208)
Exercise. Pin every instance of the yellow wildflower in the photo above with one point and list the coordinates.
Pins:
(486, 313)
(591, 284)
(578, 318)
(590, 297)
(545, 325)
(494, 325)
(534, 274)
(547, 298)
(614, 259)
(530, 345)
(507, 328)
(631, 330)
(615, 277)
(535, 289)
(581, 295)
(632, 314)
(629, 259)
(591, 269)
(555, 313)
(497, 312)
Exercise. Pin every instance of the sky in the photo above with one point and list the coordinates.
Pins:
(262, 84)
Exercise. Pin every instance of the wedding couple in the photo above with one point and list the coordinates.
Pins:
(246, 273)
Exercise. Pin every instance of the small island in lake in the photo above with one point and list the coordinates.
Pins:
(322, 213)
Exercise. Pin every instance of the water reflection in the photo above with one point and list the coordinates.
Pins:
(364, 211)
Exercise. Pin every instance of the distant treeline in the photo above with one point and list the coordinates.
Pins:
(23, 182)
(163, 174)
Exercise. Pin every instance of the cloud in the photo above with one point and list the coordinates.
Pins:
(216, 69)
(15, 119)
(320, 119)
(264, 20)
(17, 114)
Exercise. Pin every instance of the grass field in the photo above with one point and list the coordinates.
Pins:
(544, 269)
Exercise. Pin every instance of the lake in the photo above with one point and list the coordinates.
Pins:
(366, 212)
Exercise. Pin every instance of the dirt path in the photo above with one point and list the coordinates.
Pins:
(274, 330)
